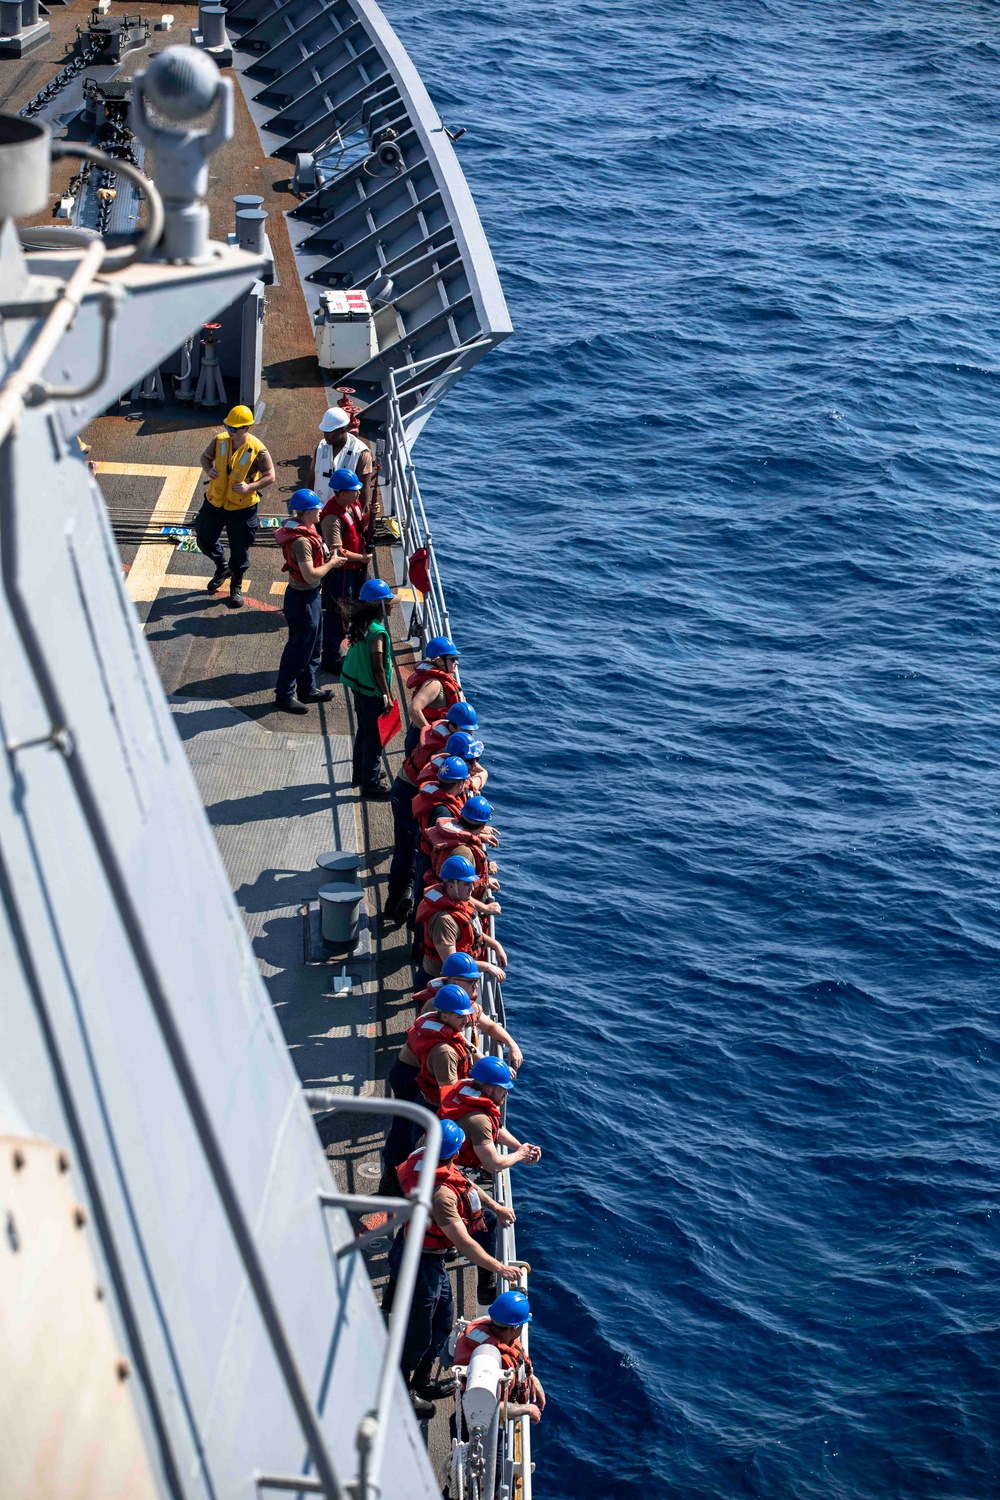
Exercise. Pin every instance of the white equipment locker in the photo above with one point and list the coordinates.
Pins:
(345, 330)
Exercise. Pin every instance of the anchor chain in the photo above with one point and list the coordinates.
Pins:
(65, 75)
(116, 140)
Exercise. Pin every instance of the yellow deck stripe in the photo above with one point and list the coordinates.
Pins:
(149, 567)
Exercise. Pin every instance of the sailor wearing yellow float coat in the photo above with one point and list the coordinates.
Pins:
(238, 467)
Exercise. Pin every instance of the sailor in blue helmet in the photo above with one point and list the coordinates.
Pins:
(342, 527)
(503, 1327)
(398, 898)
(367, 671)
(438, 1053)
(307, 563)
(463, 1218)
(433, 687)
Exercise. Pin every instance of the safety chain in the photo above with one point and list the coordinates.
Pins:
(62, 78)
(476, 1462)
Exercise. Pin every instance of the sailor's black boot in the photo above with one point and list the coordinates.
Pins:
(218, 578)
(235, 600)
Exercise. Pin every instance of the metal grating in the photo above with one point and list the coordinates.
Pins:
(331, 78)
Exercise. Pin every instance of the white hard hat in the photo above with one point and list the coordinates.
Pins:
(334, 419)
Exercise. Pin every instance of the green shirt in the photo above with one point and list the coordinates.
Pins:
(357, 670)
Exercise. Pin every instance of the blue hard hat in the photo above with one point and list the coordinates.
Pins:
(375, 588)
(459, 966)
(453, 998)
(510, 1309)
(439, 645)
(464, 744)
(491, 1070)
(452, 1139)
(456, 867)
(304, 500)
(453, 769)
(345, 479)
(462, 715)
(477, 810)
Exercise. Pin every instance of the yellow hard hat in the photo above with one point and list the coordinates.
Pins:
(240, 416)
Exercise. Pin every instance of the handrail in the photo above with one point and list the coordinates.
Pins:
(374, 1427)
(432, 618)
(491, 998)
(432, 359)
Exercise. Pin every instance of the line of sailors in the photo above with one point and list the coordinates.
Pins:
(444, 876)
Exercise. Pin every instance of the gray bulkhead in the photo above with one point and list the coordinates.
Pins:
(87, 1063)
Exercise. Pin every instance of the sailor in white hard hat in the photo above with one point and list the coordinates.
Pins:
(339, 448)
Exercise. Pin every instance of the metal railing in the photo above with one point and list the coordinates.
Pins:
(373, 1429)
(516, 1439)
(512, 1444)
(430, 612)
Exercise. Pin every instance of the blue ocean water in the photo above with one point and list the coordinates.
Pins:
(720, 533)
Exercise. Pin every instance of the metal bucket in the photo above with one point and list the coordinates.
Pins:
(340, 914)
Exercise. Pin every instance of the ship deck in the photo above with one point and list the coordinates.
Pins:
(276, 788)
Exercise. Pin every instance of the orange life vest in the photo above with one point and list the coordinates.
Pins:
(350, 526)
(435, 903)
(447, 1175)
(461, 1099)
(432, 740)
(448, 834)
(286, 538)
(512, 1356)
(426, 1033)
(426, 672)
(432, 795)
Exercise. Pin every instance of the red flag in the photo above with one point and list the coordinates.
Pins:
(389, 724)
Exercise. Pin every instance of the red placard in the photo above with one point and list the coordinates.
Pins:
(389, 724)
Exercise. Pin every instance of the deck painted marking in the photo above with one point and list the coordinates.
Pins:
(148, 572)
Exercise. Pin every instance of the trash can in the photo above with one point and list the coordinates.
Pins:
(340, 864)
(340, 914)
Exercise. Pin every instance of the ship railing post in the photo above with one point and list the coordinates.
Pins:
(414, 526)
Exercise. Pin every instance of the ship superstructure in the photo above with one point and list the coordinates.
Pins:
(163, 1168)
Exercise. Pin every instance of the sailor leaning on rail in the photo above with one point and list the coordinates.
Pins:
(458, 716)
(474, 1105)
(433, 687)
(502, 1328)
(238, 467)
(468, 835)
(463, 1217)
(439, 1050)
(449, 920)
